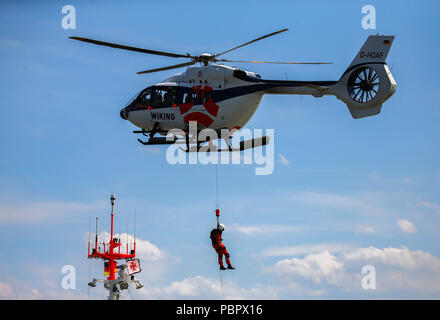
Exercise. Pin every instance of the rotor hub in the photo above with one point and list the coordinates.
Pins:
(365, 85)
(204, 58)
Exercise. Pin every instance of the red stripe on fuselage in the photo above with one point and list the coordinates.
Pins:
(211, 107)
(199, 117)
(185, 107)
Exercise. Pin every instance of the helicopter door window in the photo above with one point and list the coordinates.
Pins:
(187, 97)
(190, 97)
(206, 96)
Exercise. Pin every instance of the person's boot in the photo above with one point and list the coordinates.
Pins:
(222, 268)
(231, 267)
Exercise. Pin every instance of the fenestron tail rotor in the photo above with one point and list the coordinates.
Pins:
(363, 84)
(204, 58)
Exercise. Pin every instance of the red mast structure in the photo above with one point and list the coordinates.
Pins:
(110, 253)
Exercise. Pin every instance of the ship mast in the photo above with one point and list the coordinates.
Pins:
(110, 256)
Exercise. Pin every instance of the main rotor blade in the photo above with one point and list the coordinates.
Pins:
(119, 46)
(167, 68)
(274, 62)
(245, 44)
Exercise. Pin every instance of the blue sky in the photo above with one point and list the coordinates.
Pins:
(351, 193)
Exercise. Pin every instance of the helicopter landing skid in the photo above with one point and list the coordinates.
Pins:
(156, 141)
(152, 140)
(244, 145)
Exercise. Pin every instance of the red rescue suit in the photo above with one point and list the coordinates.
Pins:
(216, 238)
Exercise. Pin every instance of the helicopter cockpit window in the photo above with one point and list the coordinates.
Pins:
(163, 97)
(157, 97)
(145, 98)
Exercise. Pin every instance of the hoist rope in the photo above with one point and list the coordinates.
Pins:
(221, 280)
(216, 183)
(218, 219)
(88, 277)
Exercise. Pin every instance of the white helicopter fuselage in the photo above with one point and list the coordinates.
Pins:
(223, 97)
(231, 108)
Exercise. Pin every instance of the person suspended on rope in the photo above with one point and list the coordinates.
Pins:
(216, 238)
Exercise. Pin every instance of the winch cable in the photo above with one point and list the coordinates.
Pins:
(89, 271)
(217, 213)
(216, 183)
(221, 280)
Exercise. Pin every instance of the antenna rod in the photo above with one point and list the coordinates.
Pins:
(134, 248)
(89, 237)
(112, 199)
(96, 236)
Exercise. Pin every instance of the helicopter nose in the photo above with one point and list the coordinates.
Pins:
(124, 114)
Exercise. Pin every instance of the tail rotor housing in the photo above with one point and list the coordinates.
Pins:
(367, 83)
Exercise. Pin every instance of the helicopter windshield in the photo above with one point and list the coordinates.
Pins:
(133, 98)
(166, 96)
(157, 97)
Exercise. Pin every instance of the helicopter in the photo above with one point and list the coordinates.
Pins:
(219, 97)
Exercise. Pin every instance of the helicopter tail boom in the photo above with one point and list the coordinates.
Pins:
(364, 86)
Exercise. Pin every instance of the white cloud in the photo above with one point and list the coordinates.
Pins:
(364, 229)
(413, 273)
(406, 226)
(9, 43)
(317, 267)
(402, 271)
(38, 288)
(399, 257)
(193, 287)
(306, 249)
(429, 205)
(384, 179)
(330, 200)
(407, 180)
(365, 204)
(283, 159)
(264, 229)
(43, 212)
(375, 176)
(5, 291)
(199, 287)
